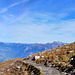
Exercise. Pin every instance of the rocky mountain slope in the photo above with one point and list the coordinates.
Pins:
(19, 50)
(62, 58)
(18, 67)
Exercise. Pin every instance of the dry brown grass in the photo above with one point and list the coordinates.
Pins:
(6, 63)
(58, 55)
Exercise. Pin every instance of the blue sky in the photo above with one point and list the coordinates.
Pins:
(37, 21)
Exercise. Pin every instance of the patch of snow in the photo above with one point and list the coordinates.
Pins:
(8, 70)
(37, 57)
(18, 67)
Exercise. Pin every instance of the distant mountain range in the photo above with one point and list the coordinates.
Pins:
(20, 50)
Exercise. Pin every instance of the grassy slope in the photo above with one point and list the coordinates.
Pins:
(6, 63)
(24, 68)
(58, 56)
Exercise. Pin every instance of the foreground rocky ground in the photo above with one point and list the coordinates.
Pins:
(29, 67)
(21, 67)
(46, 70)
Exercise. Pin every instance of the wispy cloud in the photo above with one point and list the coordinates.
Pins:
(63, 30)
(12, 5)
(38, 18)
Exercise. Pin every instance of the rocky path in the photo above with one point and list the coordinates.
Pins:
(45, 70)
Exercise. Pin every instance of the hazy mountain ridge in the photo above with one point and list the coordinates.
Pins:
(20, 50)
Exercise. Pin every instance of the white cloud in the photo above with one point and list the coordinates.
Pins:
(12, 5)
(64, 31)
